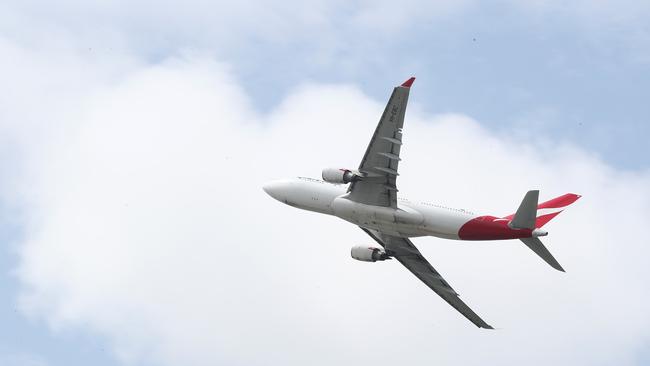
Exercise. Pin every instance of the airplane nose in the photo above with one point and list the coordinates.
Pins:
(274, 189)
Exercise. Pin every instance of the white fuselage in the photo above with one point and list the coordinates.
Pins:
(409, 219)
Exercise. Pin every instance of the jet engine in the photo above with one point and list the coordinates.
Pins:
(368, 254)
(338, 176)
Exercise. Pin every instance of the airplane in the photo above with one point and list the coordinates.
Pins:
(367, 197)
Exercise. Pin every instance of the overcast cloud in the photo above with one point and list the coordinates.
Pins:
(145, 223)
(135, 174)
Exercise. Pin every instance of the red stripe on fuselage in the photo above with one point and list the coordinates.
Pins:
(490, 228)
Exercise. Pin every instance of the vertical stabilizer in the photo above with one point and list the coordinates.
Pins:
(546, 211)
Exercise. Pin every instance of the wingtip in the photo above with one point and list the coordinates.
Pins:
(409, 82)
(557, 266)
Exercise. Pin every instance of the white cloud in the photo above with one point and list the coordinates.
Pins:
(268, 42)
(145, 222)
(152, 25)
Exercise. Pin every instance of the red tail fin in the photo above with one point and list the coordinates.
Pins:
(548, 210)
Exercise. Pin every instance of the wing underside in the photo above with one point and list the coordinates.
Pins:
(378, 169)
(406, 253)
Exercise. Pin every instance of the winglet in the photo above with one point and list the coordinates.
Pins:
(409, 82)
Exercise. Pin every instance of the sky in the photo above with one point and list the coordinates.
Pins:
(135, 138)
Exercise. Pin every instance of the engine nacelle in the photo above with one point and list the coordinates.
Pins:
(368, 254)
(338, 176)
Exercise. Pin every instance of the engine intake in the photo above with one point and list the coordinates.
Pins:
(368, 254)
(338, 176)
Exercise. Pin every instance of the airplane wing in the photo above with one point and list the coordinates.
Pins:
(406, 253)
(378, 168)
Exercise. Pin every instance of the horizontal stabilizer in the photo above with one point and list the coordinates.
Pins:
(536, 246)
